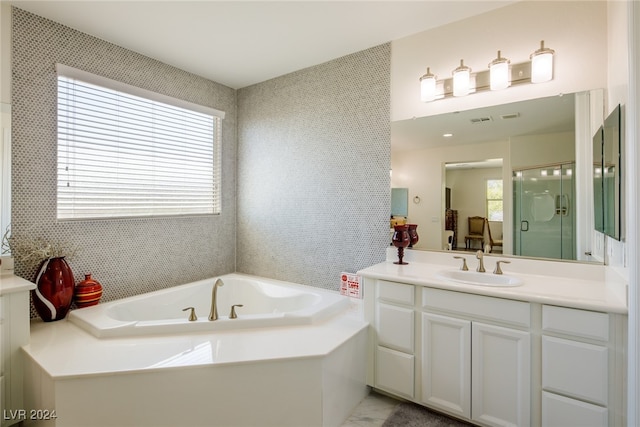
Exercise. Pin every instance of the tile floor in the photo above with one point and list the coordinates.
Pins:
(372, 411)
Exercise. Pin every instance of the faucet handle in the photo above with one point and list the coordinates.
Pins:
(192, 314)
(498, 270)
(233, 314)
(464, 263)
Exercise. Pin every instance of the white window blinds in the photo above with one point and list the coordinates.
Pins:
(128, 152)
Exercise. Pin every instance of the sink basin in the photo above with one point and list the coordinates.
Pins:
(480, 279)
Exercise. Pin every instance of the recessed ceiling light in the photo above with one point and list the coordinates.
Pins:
(447, 135)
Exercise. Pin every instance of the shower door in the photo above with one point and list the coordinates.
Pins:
(544, 212)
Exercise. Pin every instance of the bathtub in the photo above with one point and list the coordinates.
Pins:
(265, 303)
(296, 355)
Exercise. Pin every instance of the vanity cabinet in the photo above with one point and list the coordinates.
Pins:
(495, 361)
(14, 333)
(395, 359)
(578, 366)
(472, 368)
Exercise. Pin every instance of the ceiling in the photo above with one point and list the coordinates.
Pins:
(532, 117)
(240, 43)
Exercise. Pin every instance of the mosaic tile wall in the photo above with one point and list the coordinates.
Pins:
(313, 170)
(127, 256)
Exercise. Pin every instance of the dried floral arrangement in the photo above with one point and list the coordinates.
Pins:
(31, 251)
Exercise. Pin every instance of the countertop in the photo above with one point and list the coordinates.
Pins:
(10, 283)
(564, 287)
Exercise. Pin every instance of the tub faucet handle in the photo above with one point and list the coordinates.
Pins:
(464, 263)
(192, 314)
(498, 270)
(480, 256)
(233, 314)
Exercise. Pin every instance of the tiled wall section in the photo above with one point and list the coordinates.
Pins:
(313, 170)
(127, 256)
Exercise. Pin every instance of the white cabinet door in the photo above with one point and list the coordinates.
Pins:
(500, 375)
(395, 371)
(395, 327)
(575, 369)
(560, 411)
(446, 363)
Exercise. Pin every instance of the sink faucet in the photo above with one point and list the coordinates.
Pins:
(498, 270)
(213, 314)
(480, 257)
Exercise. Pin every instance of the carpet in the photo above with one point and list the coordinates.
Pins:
(408, 414)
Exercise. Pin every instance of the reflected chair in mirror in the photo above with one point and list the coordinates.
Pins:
(475, 231)
(493, 243)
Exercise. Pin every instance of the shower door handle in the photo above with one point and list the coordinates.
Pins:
(524, 225)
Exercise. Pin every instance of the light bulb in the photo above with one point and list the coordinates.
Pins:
(461, 77)
(428, 87)
(542, 64)
(499, 73)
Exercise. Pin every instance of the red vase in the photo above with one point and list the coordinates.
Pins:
(88, 292)
(413, 234)
(400, 240)
(53, 295)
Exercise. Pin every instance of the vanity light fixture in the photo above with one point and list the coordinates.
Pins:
(461, 80)
(500, 75)
(542, 64)
(428, 87)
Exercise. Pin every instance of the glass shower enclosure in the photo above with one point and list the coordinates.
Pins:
(544, 212)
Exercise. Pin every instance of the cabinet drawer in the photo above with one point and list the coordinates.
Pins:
(581, 323)
(394, 371)
(559, 411)
(396, 292)
(395, 327)
(514, 312)
(575, 369)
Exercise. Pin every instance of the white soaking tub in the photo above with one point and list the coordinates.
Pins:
(295, 356)
(265, 303)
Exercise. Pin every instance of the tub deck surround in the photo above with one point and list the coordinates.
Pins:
(311, 374)
(66, 351)
(575, 285)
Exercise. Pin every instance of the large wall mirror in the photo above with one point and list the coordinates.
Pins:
(514, 165)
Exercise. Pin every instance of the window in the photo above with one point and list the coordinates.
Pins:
(494, 199)
(128, 152)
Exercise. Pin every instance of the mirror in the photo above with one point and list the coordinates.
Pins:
(536, 141)
(598, 210)
(611, 189)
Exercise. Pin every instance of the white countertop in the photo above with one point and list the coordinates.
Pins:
(570, 289)
(65, 351)
(10, 283)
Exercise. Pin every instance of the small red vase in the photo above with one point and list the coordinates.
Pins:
(88, 292)
(53, 294)
(401, 240)
(413, 234)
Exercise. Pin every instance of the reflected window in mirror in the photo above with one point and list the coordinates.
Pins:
(494, 200)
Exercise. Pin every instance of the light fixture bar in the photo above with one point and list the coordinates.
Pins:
(480, 82)
(538, 69)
